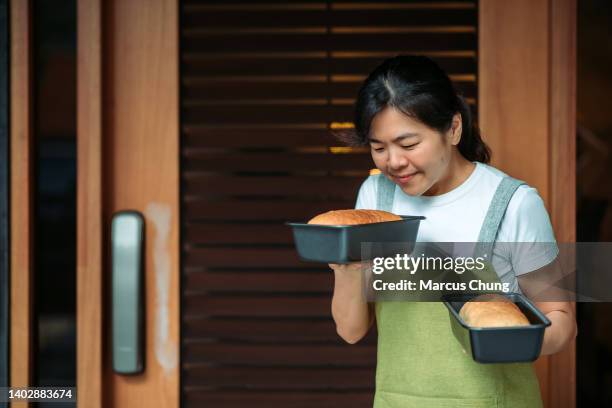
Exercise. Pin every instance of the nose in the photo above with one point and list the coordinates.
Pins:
(397, 160)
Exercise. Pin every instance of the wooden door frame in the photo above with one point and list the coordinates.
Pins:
(21, 198)
(4, 196)
(90, 288)
(527, 108)
(128, 158)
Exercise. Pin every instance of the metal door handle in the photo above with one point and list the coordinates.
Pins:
(127, 246)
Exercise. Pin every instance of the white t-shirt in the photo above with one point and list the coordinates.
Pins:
(457, 216)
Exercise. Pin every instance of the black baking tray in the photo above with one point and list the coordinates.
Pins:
(342, 243)
(499, 344)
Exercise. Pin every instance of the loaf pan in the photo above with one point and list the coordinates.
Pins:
(342, 243)
(498, 344)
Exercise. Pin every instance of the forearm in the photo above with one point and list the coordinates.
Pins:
(349, 307)
(560, 312)
(561, 331)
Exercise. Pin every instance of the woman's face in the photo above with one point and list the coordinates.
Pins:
(413, 155)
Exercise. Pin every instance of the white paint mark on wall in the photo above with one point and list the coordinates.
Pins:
(166, 350)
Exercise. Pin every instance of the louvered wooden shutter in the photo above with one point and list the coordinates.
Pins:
(261, 84)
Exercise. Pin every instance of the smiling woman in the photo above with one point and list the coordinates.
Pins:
(416, 159)
(433, 163)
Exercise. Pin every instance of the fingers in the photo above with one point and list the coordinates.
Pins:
(345, 267)
(341, 268)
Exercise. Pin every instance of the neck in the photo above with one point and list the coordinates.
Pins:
(458, 170)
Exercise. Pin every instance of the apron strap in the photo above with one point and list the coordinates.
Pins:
(495, 214)
(385, 193)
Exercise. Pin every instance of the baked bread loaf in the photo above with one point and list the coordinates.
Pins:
(492, 310)
(353, 217)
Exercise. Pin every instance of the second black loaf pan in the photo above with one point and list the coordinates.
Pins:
(499, 344)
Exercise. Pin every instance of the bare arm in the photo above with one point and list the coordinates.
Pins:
(551, 301)
(563, 326)
(350, 310)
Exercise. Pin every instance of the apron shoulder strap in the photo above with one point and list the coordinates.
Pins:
(497, 208)
(495, 214)
(385, 192)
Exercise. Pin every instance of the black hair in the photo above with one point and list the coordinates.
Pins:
(419, 88)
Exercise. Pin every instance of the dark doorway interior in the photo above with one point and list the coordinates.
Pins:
(54, 73)
(594, 193)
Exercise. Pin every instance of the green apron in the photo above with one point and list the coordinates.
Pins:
(420, 364)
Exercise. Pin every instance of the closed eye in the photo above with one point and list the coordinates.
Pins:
(409, 146)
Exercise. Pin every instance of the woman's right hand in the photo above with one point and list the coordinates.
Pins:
(350, 310)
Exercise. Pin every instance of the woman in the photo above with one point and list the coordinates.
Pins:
(433, 163)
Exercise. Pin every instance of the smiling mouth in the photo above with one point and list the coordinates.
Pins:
(404, 178)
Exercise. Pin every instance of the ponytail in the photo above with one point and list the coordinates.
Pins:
(471, 145)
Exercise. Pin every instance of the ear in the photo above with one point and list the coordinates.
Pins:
(456, 129)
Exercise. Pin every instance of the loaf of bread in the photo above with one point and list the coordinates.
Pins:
(353, 217)
(492, 310)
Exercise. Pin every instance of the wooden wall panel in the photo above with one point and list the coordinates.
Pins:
(513, 72)
(526, 107)
(22, 219)
(513, 90)
(563, 169)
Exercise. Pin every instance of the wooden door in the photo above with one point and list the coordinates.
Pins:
(128, 159)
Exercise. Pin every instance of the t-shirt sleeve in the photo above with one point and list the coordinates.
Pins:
(366, 197)
(528, 231)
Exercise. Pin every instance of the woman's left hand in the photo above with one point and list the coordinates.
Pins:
(551, 301)
(563, 327)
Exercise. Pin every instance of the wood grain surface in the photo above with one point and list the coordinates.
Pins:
(21, 192)
(526, 87)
